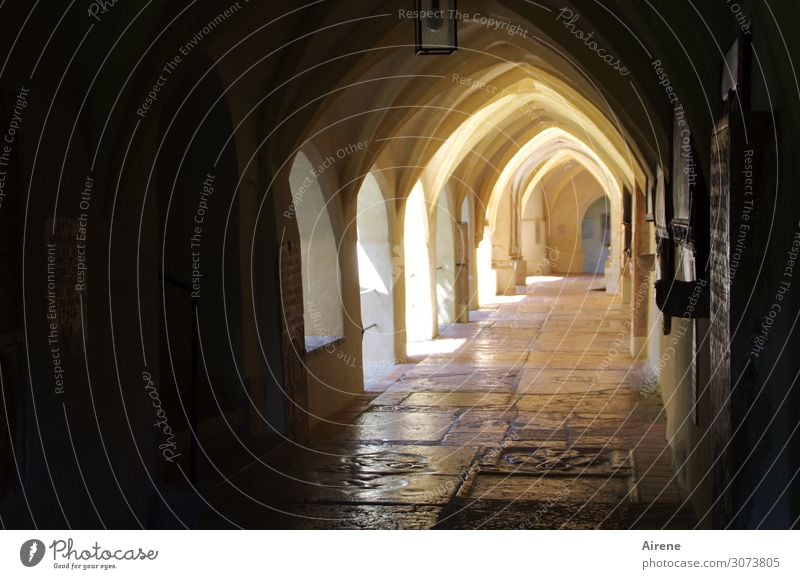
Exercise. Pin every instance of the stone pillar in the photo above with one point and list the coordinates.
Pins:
(626, 239)
(521, 269)
(515, 249)
(640, 277)
(462, 273)
(626, 280)
(506, 278)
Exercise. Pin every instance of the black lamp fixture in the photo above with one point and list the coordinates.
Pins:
(435, 27)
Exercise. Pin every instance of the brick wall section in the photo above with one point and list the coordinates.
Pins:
(738, 304)
(720, 311)
(293, 341)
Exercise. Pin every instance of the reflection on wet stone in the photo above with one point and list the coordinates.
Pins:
(579, 461)
(516, 429)
(380, 469)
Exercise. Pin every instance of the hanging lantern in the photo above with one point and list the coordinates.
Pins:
(435, 27)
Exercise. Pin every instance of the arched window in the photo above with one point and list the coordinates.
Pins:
(419, 298)
(376, 277)
(445, 260)
(322, 304)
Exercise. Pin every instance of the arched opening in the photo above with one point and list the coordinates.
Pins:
(446, 237)
(567, 165)
(322, 303)
(534, 234)
(376, 281)
(571, 189)
(484, 267)
(596, 236)
(200, 284)
(537, 202)
(420, 319)
(466, 271)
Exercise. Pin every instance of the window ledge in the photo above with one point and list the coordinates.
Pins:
(317, 344)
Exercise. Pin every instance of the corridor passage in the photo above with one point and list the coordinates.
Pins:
(533, 415)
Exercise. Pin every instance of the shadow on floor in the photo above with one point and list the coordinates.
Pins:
(534, 421)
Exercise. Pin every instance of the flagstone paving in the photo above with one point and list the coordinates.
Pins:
(535, 421)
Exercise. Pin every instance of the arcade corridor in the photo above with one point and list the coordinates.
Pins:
(534, 420)
(400, 264)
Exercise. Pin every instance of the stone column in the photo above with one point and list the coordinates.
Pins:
(462, 273)
(640, 274)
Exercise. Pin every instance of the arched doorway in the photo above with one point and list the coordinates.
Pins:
(596, 236)
(200, 282)
(533, 229)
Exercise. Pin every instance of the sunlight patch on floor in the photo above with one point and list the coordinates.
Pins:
(537, 279)
(438, 346)
(504, 300)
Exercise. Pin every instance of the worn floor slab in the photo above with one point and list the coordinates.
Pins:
(533, 422)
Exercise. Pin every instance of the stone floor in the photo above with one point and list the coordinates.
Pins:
(534, 420)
